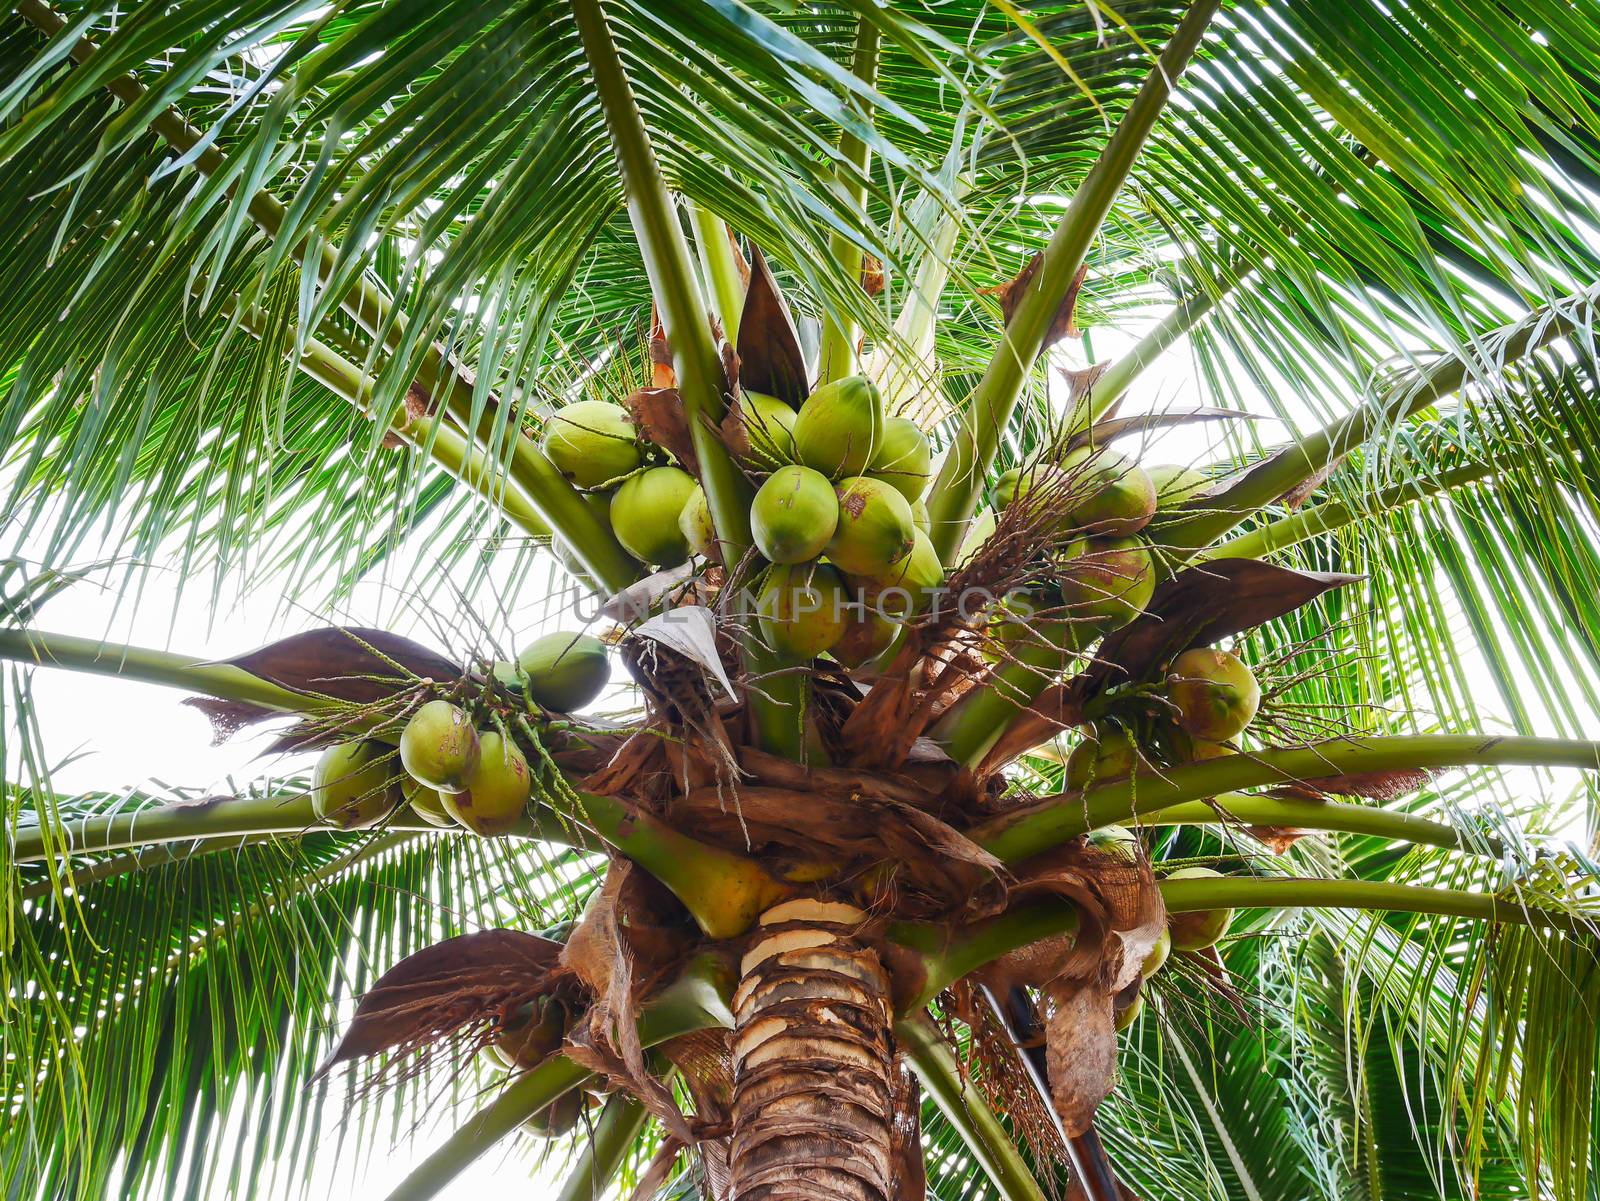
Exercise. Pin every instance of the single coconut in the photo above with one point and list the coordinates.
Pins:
(1045, 483)
(439, 747)
(1215, 694)
(794, 515)
(644, 515)
(1203, 928)
(354, 785)
(697, 527)
(875, 530)
(913, 584)
(1174, 484)
(1107, 581)
(867, 636)
(535, 1032)
(564, 671)
(1129, 1013)
(840, 427)
(769, 424)
(1105, 755)
(427, 803)
(1108, 493)
(803, 610)
(592, 442)
(497, 792)
(1159, 954)
(904, 458)
(919, 516)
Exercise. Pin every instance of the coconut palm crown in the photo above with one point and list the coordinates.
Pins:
(1002, 810)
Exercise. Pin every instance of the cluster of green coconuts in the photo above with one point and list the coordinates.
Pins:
(454, 773)
(1210, 698)
(838, 517)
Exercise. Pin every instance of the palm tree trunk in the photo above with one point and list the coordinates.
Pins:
(813, 1062)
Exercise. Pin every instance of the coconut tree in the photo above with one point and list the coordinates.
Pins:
(1000, 811)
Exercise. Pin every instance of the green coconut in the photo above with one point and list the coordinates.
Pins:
(1129, 1013)
(1204, 928)
(1108, 493)
(565, 671)
(904, 458)
(794, 515)
(913, 584)
(427, 803)
(1031, 478)
(840, 427)
(1174, 485)
(875, 530)
(1159, 954)
(439, 747)
(1107, 581)
(354, 786)
(1215, 694)
(591, 442)
(533, 1034)
(867, 636)
(644, 515)
(803, 610)
(497, 792)
(1109, 754)
(920, 517)
(769, 424)
(697, 527)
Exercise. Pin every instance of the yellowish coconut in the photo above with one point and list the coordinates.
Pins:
(497, 792)
(1204, 928)
(439, 747)
(1107, 581)
(803, 610)
(697, 528)
(354, 785)
(1215, 694)
(427, 803)
(1109, 494)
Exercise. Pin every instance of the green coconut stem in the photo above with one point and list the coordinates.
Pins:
(696, 1000)
(221, 680)
(1335, 816)
(837, 356)
(725, 892)
(143, 859)
(949, 954)
(1111, 383)
(1267, 892)
(966, 1109)
(1304, 458)
(1336, 514)
(975, 723)
(1051, 822)
(988, 411)
(713, 243)
(683, 313)
(621, 1122)
(551, 495)
(905, 368)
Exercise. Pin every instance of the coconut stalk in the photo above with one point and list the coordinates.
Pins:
(1332, 816)
(955, 491)
(836, 358)
(965, 1108)
(696, 1000)
(948, 955)
(975, 722)
(621, 1123)
(1336, 514)
(713, 242)
(1306, 457)
(1039, 827)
